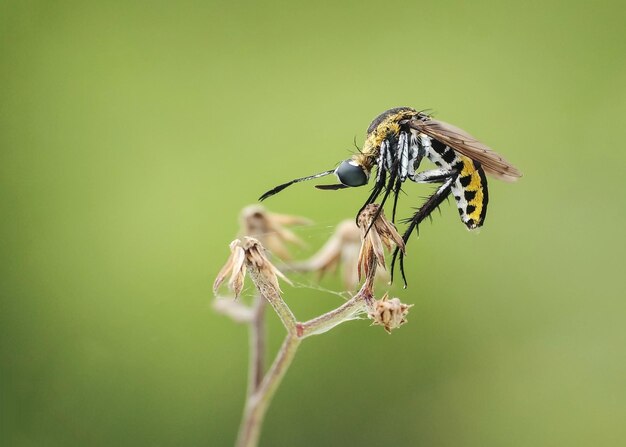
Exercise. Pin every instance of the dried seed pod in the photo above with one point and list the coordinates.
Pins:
(389, 313)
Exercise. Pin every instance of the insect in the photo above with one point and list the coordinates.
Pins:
(397, 141)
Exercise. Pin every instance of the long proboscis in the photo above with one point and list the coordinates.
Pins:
(279, 188)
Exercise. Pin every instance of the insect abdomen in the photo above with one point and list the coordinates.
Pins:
(470, 188)
(471, 193)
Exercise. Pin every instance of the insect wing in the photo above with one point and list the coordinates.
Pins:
(469, 146)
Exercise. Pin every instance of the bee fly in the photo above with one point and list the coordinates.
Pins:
(397, 142)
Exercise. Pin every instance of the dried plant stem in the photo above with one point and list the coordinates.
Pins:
(259, 397)
(268, 290)
(258, 402)
(348, 311)
(257, 344)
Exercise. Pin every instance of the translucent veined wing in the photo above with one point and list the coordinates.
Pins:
(464, 143)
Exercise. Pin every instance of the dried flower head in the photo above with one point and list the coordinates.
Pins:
(235, 267)
(376, 232)
(251, 252)
(389, 313)
(270, 228)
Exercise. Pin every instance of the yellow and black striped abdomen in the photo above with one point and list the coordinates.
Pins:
(470, 188)
(471, 193)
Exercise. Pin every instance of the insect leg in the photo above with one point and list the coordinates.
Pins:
(373, 196)
(424, 211)
(390, 187)
(432, 176)
(396, 193)
(376, 190)
(412, 154)
(381, 176)
(398, 161)
(403, 155)
(382, 159)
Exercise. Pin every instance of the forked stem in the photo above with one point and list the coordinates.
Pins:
(249, 255)
(350, 310)
(259, 399)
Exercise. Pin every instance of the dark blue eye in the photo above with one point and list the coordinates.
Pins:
(351, 174)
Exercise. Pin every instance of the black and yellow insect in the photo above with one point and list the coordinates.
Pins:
(397, 142)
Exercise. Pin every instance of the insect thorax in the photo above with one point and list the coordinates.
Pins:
(384, 126)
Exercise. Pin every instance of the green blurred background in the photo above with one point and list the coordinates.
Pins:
(132, 133)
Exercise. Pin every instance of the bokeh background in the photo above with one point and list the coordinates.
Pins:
(132, 133)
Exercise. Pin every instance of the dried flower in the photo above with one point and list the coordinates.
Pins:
(270, 228)
(374, 236)
(389, 313)
(250, 251)
(255, 255)
(235, 266)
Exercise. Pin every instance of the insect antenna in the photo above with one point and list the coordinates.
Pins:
(428, 112)
(357, 146)
(279, 188)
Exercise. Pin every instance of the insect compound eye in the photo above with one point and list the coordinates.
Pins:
(351, 174)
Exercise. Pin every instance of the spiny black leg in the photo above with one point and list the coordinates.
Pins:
(396, 192)
(402, 269)
(393, 264)
(390, 184)
(376, 190)
(424, 211)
